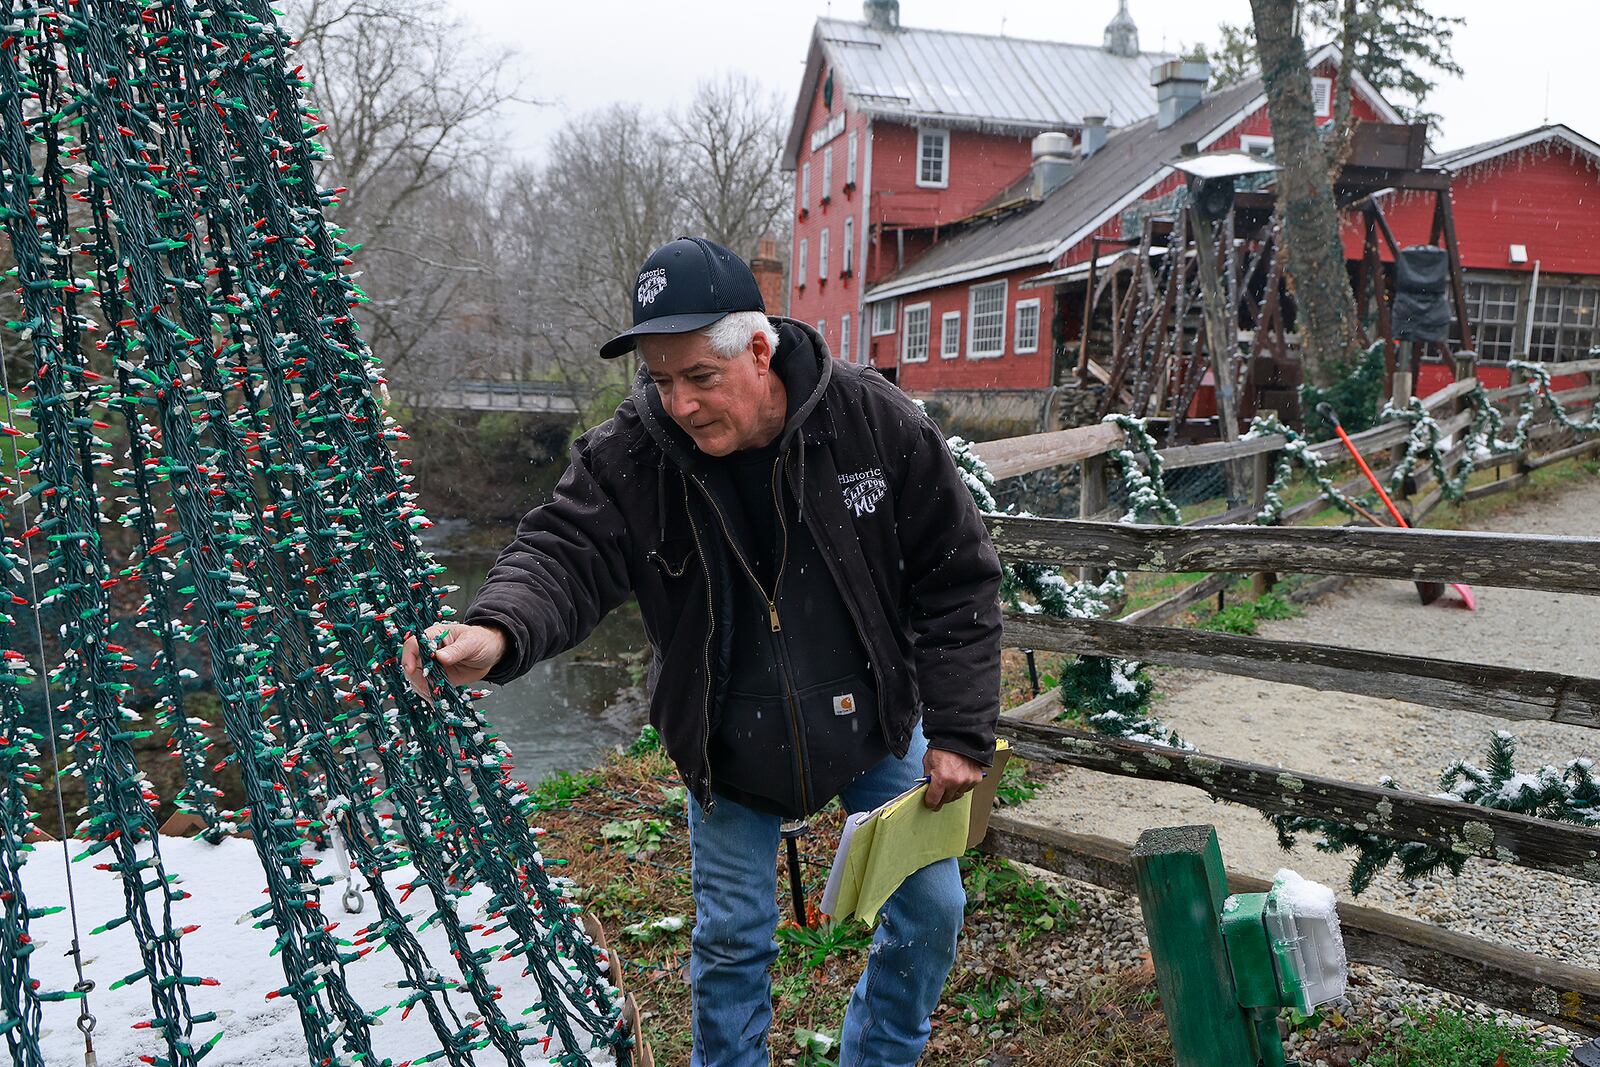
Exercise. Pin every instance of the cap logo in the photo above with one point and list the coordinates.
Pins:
(652, 283)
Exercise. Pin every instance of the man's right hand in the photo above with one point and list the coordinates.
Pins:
(466, 653)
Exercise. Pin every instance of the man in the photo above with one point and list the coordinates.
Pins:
(821, 601)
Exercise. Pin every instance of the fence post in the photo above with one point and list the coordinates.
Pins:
(1400, 398)
(1519, 377)
(1261, 472)
(1092, 500)
(1181, 883)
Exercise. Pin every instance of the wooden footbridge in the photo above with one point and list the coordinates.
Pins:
(494, 394)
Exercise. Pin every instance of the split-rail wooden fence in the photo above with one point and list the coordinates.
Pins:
(1227, 546)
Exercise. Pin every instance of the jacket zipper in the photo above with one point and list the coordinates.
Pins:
(772, 615)
(855, 619)
(711, 632)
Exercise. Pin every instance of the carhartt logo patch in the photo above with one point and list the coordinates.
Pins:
(863, 490)
(652, 283)
(844, 704)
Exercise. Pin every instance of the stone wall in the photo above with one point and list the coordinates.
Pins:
(990, 414)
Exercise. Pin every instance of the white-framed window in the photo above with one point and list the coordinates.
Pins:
(1564, 323)
(1025, 332)
(805, 185)
(1322, 97)
(933, 158)
(914, 338)
(850, 159)
(822, 254)
(883, 318)
(800, 263)
(847, 254)
(1254, 144)
(822, 330)
(827, 174)
(950, 335)
(986, 320)
(844, 337)
(1495, 309)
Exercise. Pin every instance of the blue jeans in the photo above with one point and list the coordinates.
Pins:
(734, 872)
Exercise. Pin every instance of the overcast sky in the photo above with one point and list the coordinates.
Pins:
(582, 54)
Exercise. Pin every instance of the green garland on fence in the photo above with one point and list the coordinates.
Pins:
(1570, 794)
(1296, 451)
(1482, 439)
(1147, 487)
(1112, 695)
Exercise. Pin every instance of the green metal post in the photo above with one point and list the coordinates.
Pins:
(1182, 886)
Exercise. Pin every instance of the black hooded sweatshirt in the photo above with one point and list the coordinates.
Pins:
(887, 607)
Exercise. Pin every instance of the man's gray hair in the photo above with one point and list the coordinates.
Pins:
(731, 334)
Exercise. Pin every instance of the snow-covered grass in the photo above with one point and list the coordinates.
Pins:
(225, 882)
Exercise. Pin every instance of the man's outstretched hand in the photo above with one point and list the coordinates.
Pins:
(949, 776)
(466, 653)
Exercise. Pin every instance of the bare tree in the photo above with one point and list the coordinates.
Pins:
(410, 98)
(1325, 307)
(731, 137)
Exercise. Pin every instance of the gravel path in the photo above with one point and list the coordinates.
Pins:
(1361, 738)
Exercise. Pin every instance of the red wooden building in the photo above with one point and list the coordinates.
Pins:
(1527, 211)
(940, 237)
(899, 132)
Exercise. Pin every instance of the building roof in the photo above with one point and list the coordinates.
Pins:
(1460, 158)
(1131, 161)
(970, 80)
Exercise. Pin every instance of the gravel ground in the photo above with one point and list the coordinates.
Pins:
(1360, 739)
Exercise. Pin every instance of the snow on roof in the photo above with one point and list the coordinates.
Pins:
(972, 80)
(1460, 158)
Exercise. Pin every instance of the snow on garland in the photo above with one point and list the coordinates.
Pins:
(1147, 491)
(1482, 441)
(1112, 694)
(1296, 450)
(1570, 794)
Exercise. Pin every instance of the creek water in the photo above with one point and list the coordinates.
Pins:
(562, 715)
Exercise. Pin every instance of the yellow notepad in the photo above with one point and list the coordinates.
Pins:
(881, 848)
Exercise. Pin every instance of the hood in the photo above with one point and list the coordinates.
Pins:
(801, 362)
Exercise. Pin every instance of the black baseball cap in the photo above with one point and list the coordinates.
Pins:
(687, 285)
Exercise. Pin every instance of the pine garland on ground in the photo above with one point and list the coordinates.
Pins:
(1570, 794)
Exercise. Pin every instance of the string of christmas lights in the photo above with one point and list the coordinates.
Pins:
(183, 291)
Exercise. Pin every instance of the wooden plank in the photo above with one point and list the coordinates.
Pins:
(1319, 503)
(1042, 708)
(1466, 829)
(1367, 441)
(1573, 452)
(1012, 456)
(1242, 513)
(1481, 688)
(1192, 594)
(1478, 492)
(1479, 970)
(1181, 456)
(1517, 561)
(1449, 394)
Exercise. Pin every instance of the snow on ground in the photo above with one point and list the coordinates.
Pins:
(226, 882)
